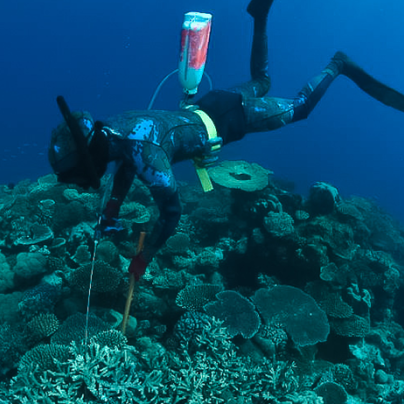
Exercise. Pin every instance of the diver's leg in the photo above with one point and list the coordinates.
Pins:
(314, 90)
(260, 81)
(269, 113)
(341, 64)
(368, 84)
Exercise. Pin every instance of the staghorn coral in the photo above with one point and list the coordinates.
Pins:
(194, 297)
(236, 312)
(106, 278)
(211, 373)
(43, 358)
(304, 321)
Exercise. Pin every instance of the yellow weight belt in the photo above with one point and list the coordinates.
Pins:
(212, 134)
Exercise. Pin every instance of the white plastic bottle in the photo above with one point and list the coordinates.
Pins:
(195, 36)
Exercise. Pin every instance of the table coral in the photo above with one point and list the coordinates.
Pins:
(305, 322)
(237, 313)
(241, 175)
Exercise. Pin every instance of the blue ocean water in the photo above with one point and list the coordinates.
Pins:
(107, 57)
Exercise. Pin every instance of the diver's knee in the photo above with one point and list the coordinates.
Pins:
(301, 109)
(260, 85)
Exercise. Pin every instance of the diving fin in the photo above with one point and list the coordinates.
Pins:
(259, 8)
(368, 84)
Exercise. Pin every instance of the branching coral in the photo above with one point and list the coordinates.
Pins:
(213, 373)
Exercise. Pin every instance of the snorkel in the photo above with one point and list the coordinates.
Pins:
(85, 159)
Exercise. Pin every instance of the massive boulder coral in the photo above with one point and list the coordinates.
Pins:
(279, 224)
(6, 275)
(30, 267)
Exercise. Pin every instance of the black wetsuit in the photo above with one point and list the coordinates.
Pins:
(147, 143)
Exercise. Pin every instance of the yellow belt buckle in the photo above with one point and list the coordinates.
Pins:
(202, 172)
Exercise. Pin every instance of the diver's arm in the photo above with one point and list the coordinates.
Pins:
(123, 180)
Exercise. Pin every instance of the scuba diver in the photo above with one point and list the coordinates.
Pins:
(145, 144)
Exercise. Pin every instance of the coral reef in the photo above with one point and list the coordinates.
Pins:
(261, 296)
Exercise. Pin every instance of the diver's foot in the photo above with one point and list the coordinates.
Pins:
(345, 64)
(259, 8)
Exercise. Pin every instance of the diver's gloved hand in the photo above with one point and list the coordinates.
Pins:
(138, 266)
(110, 218)
(211, 154)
